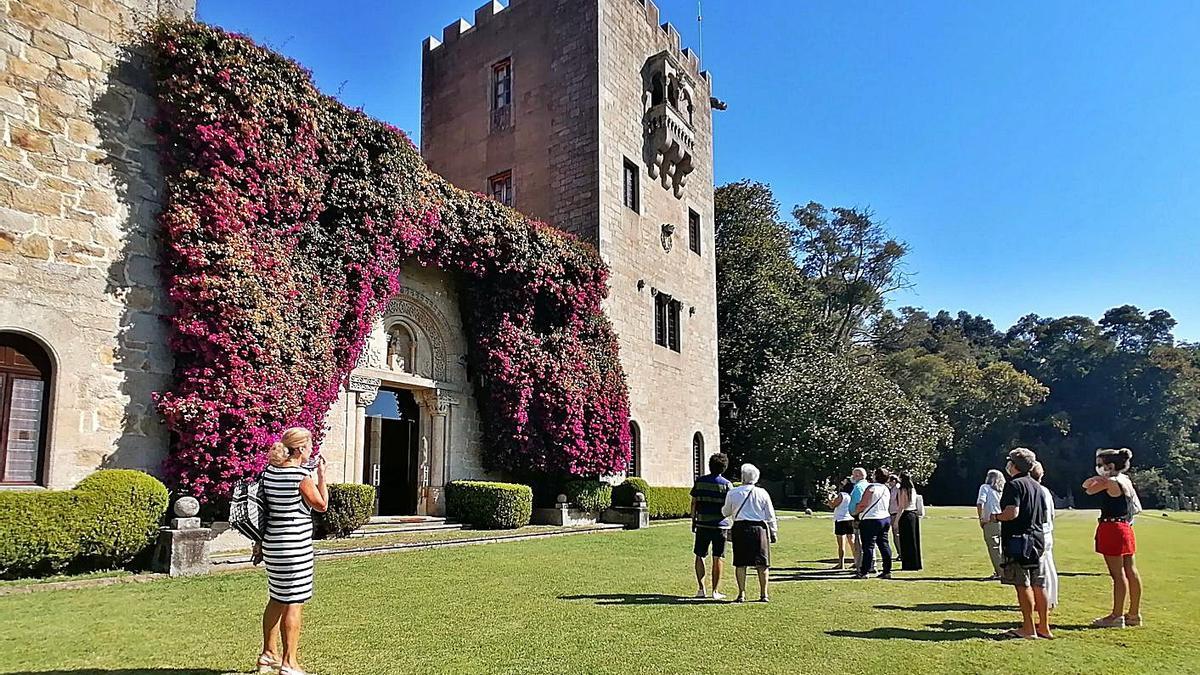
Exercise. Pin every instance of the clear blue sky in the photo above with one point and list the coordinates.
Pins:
(1036, 156)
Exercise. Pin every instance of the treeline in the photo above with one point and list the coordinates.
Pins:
(823, 377)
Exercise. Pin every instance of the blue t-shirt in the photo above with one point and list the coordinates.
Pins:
(709, 493)
(856, 493)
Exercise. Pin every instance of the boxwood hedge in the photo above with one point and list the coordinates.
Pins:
(350, 507)
(489, 506)
(588, 495)
(661, 502)
(106, 521)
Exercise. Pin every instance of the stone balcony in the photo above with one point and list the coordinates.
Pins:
(670, 142)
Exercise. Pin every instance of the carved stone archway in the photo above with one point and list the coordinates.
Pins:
(414, 309)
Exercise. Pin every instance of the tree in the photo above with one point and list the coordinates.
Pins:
(764, 303)
(854, 265)
(821, 414)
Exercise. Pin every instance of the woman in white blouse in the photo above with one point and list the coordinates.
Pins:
(987, 505)
(755, 528)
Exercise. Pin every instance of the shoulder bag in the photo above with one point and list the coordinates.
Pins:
(729, 530)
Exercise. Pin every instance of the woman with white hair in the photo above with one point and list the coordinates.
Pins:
(987, 505)
(755, 528)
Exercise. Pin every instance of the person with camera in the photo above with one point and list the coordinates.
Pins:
(292, 494)
(843, 522)
(709, 524)
(755, 528)
(1114, 535)
(1022, 535)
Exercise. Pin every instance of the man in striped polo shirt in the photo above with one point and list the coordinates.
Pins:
(708, 497)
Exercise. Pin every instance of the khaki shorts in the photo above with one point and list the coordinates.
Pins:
(1015, 574)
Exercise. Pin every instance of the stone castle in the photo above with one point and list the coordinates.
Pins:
(582, 113)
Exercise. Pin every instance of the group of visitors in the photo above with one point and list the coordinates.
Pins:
(1016, 515)
(864, 513)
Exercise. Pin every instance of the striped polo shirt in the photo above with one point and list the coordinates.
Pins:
(709, 493)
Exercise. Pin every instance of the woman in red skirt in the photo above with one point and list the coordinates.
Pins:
(1114, 535)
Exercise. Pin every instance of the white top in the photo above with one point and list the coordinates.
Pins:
(878, 498)
(1048, 500)
(757, 507)
(841, 512)
(989, 499)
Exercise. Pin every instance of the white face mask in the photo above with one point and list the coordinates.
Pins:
(1101, 471)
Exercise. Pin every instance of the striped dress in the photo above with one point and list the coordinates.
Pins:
(287, 544)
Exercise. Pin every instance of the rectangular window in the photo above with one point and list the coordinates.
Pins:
(502, 95)
(501, 84)
(631, 185)
(694, 231)
(500, 187)
(666, 321)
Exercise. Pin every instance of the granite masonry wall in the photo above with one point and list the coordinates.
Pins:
(79, 191)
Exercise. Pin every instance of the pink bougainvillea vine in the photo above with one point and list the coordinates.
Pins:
(287, 217)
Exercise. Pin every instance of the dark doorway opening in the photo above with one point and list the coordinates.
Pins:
(393, 434)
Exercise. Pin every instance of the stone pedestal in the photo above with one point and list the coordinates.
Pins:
(183, 548)
(631, 517)
(563, 516)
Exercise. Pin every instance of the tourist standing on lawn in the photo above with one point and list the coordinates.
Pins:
(843, 522)
(858, 484)
(291, 495)
(709, 524)
(1114, 535)
(755, 528)
(1049, 569)
(874, 523)
(987, 505)
(893, 486)
(1022, 530)
(909, 524)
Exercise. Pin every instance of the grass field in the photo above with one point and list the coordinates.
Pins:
(616, 603)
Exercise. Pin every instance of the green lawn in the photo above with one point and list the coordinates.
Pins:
(613, 603)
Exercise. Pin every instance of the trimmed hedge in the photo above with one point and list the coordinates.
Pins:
(489, 506)
(350, 507)
(661, 502)
(589, 495)
(110, 518)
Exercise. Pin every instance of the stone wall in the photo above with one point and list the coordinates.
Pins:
(672, 395)
(79, 191)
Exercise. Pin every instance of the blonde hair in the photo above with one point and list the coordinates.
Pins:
(289, 444)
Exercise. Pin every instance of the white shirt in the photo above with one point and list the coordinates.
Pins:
(841, 512)
(757, 507)
(1048, 500)
(989, 499)
(878, 498)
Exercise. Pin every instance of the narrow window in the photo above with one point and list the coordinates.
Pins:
(500, 187)
(24, 409)
(694, 231)
(698, 454)
(502, 75)
(631, 186)
(635, 449)
(666, 321)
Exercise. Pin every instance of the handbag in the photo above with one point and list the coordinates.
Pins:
(248, 509)
(1024, 549)
(729, 532)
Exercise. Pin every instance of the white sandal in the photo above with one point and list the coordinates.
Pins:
(267, 665)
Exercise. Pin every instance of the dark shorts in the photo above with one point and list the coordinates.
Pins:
(709, 537)
(751, 544)
(843, 527)
(1015, 574)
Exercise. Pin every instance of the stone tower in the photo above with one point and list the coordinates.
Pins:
(587, 114)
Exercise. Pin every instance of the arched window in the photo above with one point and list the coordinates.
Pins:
(402, 349)
(25, 379)
(658, 89)
(635, 450)
(698, 454)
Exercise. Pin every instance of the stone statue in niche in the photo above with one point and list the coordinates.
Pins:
(402, 349)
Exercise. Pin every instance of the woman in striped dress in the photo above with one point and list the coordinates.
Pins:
(291, 495)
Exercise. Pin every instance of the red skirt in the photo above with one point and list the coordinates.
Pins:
(1115, 538)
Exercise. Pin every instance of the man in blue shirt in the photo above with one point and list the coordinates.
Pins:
(709, 524)
(859, 479)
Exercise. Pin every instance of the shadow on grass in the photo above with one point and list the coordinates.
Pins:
(948, 607)
(642, 599)
(955, 624)
(927, 635)
(1081, 574)
(785, 574)
(125, 671)
(904, 578)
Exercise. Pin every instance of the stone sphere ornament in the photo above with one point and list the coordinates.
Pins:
(187, 507)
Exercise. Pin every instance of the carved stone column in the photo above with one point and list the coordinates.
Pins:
(437, 405)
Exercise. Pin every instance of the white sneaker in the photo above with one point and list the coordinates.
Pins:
(718, 595)
(700, 594)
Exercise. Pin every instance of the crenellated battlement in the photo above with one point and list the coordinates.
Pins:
(461, 28)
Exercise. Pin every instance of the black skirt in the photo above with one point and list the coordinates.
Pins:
(751, 544)
(910, 541)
